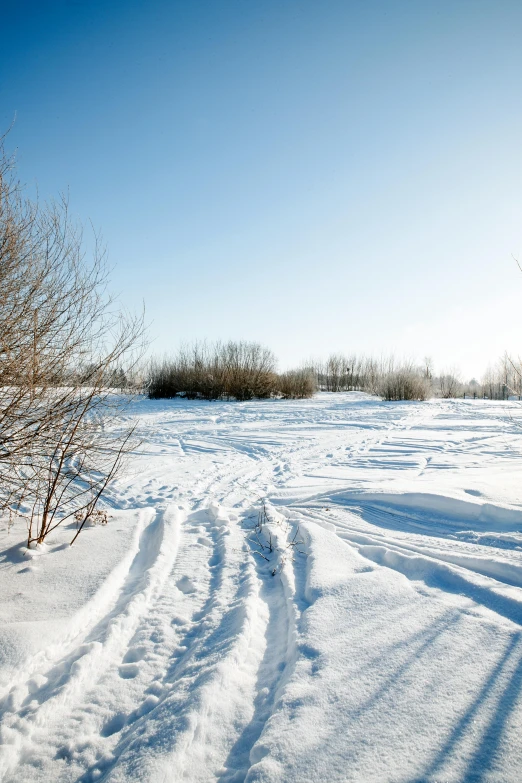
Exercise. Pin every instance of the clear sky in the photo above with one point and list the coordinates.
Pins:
(317, 175)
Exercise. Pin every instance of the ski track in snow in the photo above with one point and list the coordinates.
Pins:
(388, 648)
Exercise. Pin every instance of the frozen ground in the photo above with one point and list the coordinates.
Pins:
(386, 647)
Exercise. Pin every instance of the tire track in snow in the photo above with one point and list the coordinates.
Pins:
(351, 454)
(84, 619)
(44, 703)
(205, 663)
(168, 636)
(242, 643)
(277, 592)
(218, 652)
(269, 676)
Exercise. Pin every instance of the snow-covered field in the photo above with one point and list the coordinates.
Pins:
(386, 646)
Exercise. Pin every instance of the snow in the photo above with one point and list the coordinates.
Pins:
(364, 624)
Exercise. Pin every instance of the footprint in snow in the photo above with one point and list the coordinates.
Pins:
(128, 671)
(155, 688)
(180, 620)
(308, 651)
(36, 683)
(134, 654)
(114, 725)
(186, 585)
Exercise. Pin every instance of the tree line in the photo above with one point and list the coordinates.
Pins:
(247, 370)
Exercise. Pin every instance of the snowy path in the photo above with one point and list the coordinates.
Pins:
(386, 647)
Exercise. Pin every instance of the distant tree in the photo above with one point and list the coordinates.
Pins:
(407, 382)
(297, 384)
(449, 384)
(235, 370)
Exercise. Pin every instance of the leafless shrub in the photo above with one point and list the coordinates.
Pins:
(297, 384)
(62, 343)
(449, 385)
(98, 517)
(233, 370)
(405, 383)
(249, 370)
(267, 532)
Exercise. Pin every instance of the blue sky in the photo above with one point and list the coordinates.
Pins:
(317, 176)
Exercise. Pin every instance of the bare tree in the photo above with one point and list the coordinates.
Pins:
(449, 384)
